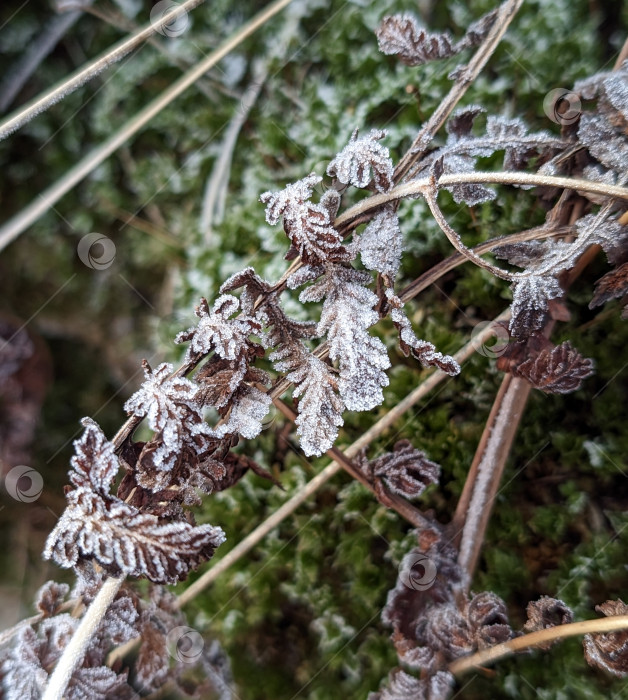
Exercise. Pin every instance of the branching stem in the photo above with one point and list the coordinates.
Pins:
(418, 187)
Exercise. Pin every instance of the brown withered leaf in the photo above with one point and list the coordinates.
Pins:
(309, 226)
(613, 285)
(487, 618)
(406, 471)
(559, 370)
(50, 597)
(152, 664)
(253, 286)
(518, 351)
(545, 613)
(609, 651)
(401, 35)
(122, 539)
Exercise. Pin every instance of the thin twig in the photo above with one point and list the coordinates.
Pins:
(488, 467)
(122, 23)
(18, 74)
(453, 261)
(505, 16)
(534, 639)
(417, 187)
(455, 240)
(74, 652)
(47, 199)
(92, 69)
(213, 206)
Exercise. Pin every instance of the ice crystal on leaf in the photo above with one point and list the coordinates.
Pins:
(603, 141)
(217, 332)
(24, 676)
(309, 226)
(381, 243)
(161, 397)
(403, 35)
(168, 403)
(347, 314)
(421, 350)
(320, 409)
(252, 285)
(96, 525)
(248, 410)
(361, 157)
(604, 132)
(99, 682)
(36, 652)
(616, 89)
(544, 261)
(529, 308)
(50, 597)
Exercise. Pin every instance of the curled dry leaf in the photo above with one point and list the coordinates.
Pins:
(403, 686)
(545, 613)
(609, 651)
(421, 350)
(613, 285)
(556, 370)
(362, 160)
(309, 226)
(406, 471)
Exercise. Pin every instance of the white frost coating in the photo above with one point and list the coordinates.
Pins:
(616, 89)
(309, 226)
(168, 404)
(247, 413)
(354, 164)
(74, 652)
(216, 331)
(160, 396)
(319, 408)
(486, 470)
(530, 297)
(116, 534)
(347, 314)
(381, 243)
